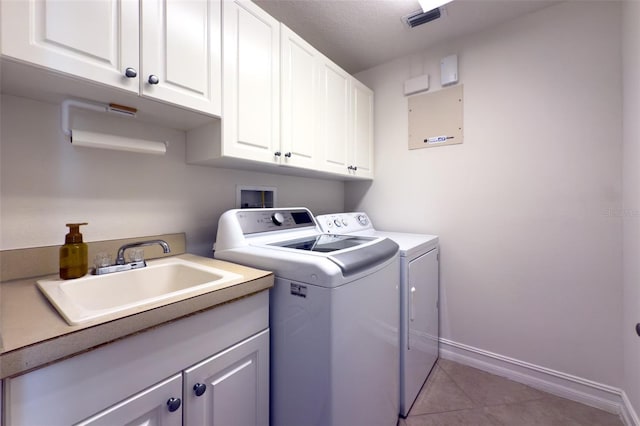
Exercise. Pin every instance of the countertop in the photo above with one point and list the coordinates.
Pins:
(34, 334)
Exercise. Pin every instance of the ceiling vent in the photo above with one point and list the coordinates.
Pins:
(420, 18)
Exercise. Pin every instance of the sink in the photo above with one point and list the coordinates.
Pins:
(115, 295)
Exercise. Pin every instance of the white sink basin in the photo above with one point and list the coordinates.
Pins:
(163, 281)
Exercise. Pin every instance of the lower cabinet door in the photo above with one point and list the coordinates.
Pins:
(231, 387)
(159, 405)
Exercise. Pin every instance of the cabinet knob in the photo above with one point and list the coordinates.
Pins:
(153, 79)
(130, 73)
(354, 168)
(287, 154)
(173, 404)
(277, 153)
(199, 388)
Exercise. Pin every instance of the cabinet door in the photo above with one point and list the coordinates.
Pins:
(251, 77)
(236, 386)
(96, 40)
(181, 43)
(334, 114)
(150, 407)
(299, 67)
(361, 146)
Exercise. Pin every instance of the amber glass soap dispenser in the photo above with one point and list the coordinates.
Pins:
(74, 258)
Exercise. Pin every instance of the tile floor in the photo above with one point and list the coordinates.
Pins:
(459, 395)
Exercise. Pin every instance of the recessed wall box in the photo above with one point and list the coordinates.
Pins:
(416, 85)
(255, 196)
(449, 70)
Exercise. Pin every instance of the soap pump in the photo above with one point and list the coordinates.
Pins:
(74, 258)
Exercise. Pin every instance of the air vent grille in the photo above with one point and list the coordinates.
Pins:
(420, 18)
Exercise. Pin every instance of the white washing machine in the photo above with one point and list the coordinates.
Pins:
(333, 316)
(419, 295)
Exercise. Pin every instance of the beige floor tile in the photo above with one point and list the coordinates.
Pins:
(487, 389)
(583, 414)
(530, 413)
(472, 417)
(452, 388)
(440, 394)
(552, 411)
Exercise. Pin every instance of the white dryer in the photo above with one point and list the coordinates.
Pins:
(419, 298)
(333, 316)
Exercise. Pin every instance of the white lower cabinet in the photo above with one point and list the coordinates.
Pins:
(230, 388)
(160, 405)
(211, 368)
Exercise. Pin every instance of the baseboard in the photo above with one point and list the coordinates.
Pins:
(608, 398)
(629, 415)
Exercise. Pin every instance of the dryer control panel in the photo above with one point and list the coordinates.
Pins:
(344, 223)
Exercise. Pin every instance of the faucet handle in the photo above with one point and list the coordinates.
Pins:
(102, 259)
(136, 254)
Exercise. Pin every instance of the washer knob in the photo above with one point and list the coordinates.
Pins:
(362, 220)
(338, 223)
(277, 218)
(344, 222)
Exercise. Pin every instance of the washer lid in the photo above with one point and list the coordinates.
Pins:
(324, 243)
(352, 253)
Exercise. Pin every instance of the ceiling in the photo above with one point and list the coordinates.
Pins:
(360, 34)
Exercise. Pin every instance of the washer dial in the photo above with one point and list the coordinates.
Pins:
(362, 220)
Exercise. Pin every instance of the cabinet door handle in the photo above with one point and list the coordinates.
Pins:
(130, 73)
(199, 388)
(153, 79)
(287, 154)
(173, 404)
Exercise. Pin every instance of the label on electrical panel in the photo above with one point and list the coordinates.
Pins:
(299, 290)
(437, 139)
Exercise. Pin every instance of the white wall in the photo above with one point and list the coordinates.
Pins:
(527, 207)
(46, 182)
(631, 211)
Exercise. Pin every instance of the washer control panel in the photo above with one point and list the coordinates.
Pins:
(344, 223)
(264, 220)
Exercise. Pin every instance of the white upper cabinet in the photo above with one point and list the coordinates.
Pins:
(181, 53)
(361, 146)
(281, 102)
(251, 79)
(163, 49)
(95, 40)
(300, 100)
(334, 118)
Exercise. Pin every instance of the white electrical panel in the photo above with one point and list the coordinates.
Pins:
(449, 70)
(416, 85)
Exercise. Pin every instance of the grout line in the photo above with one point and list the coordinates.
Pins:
(475, 404)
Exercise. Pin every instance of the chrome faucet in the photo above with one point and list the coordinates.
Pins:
(120, 257)
(121, 265)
